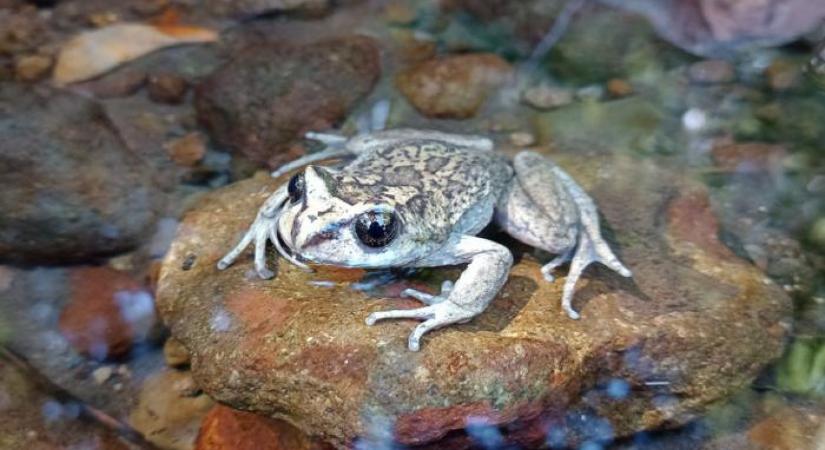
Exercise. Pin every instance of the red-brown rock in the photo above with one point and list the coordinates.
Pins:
(694, 325)
(748, 157)
(107, 313)
(228, 429)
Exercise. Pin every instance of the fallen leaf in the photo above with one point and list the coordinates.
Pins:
(93, 53)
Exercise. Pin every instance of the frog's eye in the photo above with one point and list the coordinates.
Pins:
(376, 228)
(295, 188)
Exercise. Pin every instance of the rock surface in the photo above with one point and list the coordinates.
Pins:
(695, 324)
(270, 95)
(69, 190)
(228, 429)
(454, 86)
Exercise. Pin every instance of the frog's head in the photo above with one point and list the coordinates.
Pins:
(320, 227)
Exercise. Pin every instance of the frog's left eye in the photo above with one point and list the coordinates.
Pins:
(376, 228)
(295, 188)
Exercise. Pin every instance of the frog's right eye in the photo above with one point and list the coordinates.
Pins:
(295, 188)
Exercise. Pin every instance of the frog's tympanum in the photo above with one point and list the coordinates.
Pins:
(415, 198)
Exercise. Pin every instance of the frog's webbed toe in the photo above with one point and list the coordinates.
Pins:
(436, 315)
(427, 298)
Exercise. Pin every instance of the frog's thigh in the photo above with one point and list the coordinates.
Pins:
(521, 217)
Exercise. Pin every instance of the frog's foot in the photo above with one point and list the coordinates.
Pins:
(547, 269)
(436, 315)
(430, 299)
(262, 230)
(588, 251)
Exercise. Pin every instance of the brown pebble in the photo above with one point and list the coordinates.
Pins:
(32, 67)
(617, 87)
(748, 157)
(167, 88)
(187, 150)
(175, 354)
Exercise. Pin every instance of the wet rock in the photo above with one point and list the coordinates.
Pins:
(228, 429)
(167, 416)
(34, 420)
(167, 88)
(453, 86)
(298, 349)
(749, 157)
(270, 95)
(33, 67)
(712, 71)
(187, 150)
(107, 313)
(70, 189)
(545, 96)
(720, 27)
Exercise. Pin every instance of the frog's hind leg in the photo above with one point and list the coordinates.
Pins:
(546, 208)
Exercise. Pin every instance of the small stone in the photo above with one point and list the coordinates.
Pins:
(225, 428)
(453, 86)
(108, 311)
(522, 139)
(545, 96)
(33, 67)
(187, 150)
(167, 88)
(102, 374)
(618, 87)
(168, 419)
(175, 354)
(711, 71)
(783, 75)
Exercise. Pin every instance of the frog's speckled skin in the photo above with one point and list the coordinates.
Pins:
(443, 189)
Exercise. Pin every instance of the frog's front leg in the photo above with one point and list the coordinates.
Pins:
(546, 208)
(489, 265)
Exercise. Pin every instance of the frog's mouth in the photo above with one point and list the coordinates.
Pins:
(281, 245)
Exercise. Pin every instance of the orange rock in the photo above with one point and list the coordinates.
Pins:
(617, 87)
(788, 429)
(227, 429)
(107, 313)
(453, 86)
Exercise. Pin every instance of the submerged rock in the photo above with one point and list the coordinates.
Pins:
(694, 324)
(270, 95)
(454, 86)
(69, 190)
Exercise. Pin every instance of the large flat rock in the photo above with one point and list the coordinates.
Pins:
(694, 324)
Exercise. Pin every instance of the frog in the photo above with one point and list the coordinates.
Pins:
(417, 198)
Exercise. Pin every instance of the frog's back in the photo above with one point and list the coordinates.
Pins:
(430, 182)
